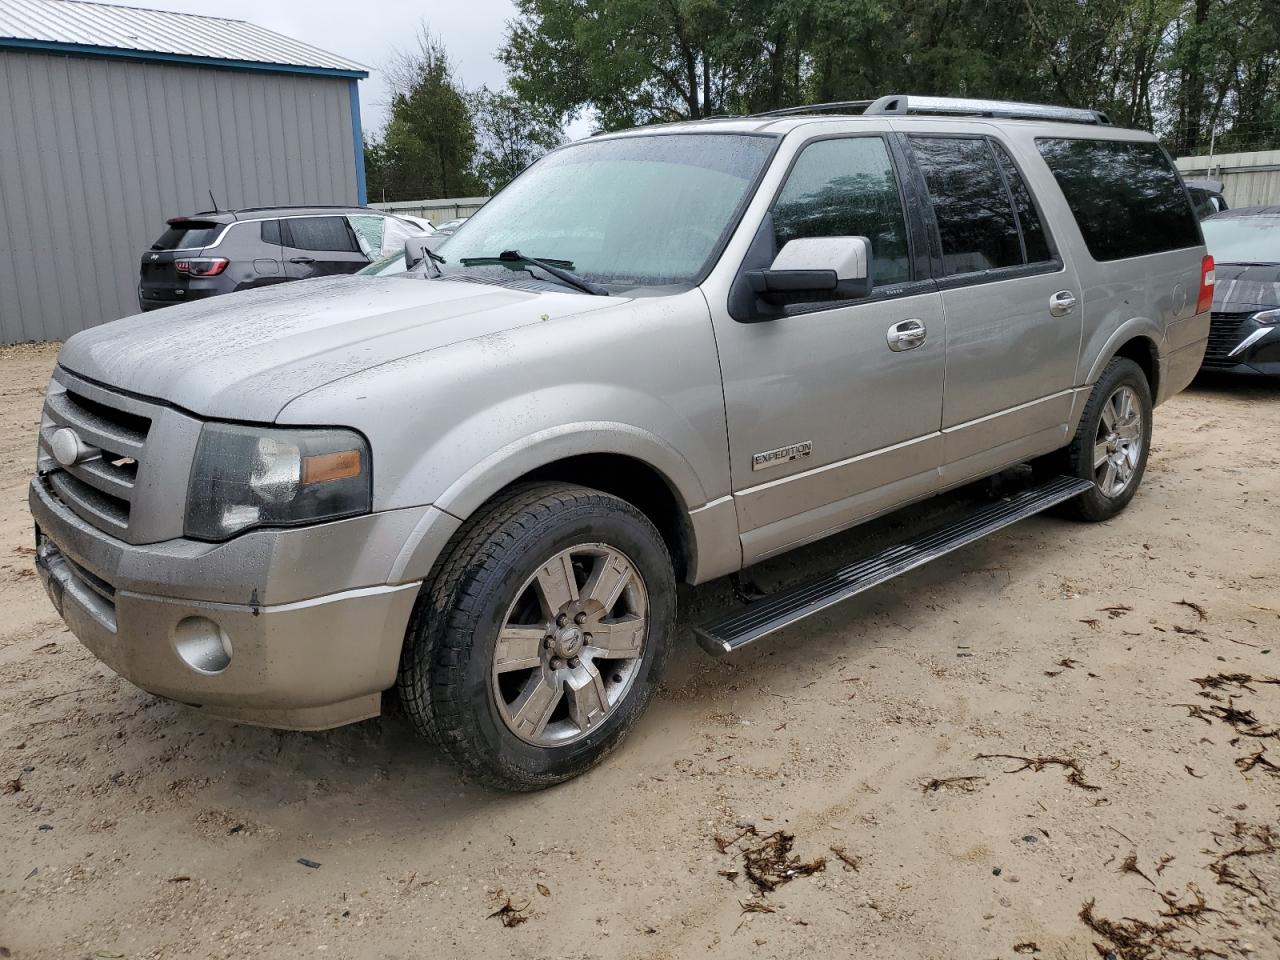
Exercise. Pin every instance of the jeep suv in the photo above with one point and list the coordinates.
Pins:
(659, 355)
(220, 252)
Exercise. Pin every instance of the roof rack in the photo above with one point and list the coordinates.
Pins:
(838, 106)
(898, 105)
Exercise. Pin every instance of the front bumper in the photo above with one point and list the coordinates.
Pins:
(1241, 345)
(297, 662)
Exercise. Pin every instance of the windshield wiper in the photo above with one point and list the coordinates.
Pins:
(560, 269)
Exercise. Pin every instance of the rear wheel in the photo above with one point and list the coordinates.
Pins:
(1112, 441)
(542, 637)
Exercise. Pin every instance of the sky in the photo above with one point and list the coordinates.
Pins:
(368, 32)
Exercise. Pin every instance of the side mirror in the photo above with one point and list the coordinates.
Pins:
(415, 250)
(814, 269)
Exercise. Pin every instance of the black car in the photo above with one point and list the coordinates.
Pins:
(1245, 332)
(217, 252)
(1206, 197)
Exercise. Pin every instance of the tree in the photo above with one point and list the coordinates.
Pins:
(510, 135)
(427, 148)
(1186, 68)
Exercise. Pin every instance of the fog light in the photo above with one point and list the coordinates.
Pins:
(202, 644)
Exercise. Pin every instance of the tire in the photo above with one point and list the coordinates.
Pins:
(480, 701)
(1118, 476)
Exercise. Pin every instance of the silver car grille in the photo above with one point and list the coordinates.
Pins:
(99, 490)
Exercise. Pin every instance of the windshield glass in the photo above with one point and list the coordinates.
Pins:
(1243, 239)
(636, 211)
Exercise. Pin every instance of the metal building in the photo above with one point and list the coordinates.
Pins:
(113, 119)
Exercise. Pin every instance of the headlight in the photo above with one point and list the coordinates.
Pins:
(1267, 316)
(256, 477)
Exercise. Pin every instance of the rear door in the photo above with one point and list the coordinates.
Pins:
(1012, 306)
(320, 246)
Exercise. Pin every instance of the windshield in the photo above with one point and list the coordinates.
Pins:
(1243, 239)
(635, 211)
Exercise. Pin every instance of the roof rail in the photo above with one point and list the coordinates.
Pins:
(839, 106)
(899, 105)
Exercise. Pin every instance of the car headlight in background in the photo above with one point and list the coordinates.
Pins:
(247, 477)
(1267, 316)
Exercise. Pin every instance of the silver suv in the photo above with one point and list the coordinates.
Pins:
(659, 355)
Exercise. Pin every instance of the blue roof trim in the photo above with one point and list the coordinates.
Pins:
(357, 135)
(53, 46)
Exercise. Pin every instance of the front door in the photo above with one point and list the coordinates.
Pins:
(828, 423)
(320, 246)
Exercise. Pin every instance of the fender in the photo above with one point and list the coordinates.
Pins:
(1131, 329)
(539, 449)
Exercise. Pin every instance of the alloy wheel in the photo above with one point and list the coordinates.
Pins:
(570, 645)
(1117, 448)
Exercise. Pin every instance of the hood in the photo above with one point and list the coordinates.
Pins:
(1245, 288)
(246, 355)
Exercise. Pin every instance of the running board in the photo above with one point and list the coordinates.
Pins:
(763, 617)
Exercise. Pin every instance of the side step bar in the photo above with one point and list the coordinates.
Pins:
(763, 617)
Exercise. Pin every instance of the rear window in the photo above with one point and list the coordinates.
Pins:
(322, 233)
(188, 235)
(1126, 197)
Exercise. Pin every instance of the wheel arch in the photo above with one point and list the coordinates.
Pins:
(623, 461)
(1135, 341)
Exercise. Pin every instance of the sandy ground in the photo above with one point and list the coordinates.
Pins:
(131, 827)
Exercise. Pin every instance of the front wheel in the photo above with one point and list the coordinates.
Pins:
(1112, 441)
(541, 638)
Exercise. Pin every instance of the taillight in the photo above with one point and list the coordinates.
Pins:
(202, 266)
(1205, 300)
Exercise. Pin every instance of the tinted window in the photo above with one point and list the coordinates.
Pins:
(1126, 197)
(271, 231)
(321, 233)
(1033, 238)
(187, 235)
(973, 210)
(846, 188)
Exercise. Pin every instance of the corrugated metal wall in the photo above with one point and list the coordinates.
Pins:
(96, 154)
(1248, 179)
(437, 211)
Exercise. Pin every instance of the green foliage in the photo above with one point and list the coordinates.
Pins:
(1190, 69)
(443, 141)
(510, 135)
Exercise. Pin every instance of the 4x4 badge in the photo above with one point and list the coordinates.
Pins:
(775, 458)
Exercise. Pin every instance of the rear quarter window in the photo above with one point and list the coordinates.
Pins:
(1126, 197)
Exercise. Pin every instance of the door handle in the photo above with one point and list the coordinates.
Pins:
(906, 335)
(1062, 303)
(303, 260)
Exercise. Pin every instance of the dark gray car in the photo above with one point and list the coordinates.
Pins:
(224, 251)
(1245, 335)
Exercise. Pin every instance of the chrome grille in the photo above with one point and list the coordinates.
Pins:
(98, 490)
(1223, 337)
